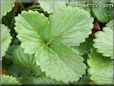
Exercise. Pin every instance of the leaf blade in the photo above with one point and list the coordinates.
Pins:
(72, 25)
(104, 42)
(26, 62)
(5, 39)
(61, 63)
(51, 5)
(32, 30)
(6, 6)
(101, 68)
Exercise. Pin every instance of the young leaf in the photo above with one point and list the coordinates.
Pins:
(104, 42)
(101, 68)
(6, 6)
(26, 62)
(5, 39)
(8, 80)
(51, 5)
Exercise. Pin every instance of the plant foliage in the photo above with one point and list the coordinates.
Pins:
(56, 42)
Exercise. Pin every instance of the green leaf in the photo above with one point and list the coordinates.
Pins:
(9, 80)
(60, 62)
(6, 6)
(101, 68)
(51, 5)
(5, 39)
(75, 26)
(26, 62)
(103, 14)
(85, 46)
(31, 31)
(104, 42)
(45, 40)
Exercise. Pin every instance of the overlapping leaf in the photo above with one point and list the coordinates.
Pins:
(102, 14)
(26, 62)
(51, 5)
(104, 42)
(98, 7)
(6, 6)
(101, 69)
(9, 80)
(45, 40)
(5, 39)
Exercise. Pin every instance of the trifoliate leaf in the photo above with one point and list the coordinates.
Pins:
(51, 5)
(5, 39)
(69, 33)
(56, 59)
(9, 80)
(103, 14)
(110, 24)
(104, 42)
(85, 46)
(101, 68)
(6, 6)
(75, 26)
(26, 62)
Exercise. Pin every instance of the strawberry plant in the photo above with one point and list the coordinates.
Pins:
(57, 42)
